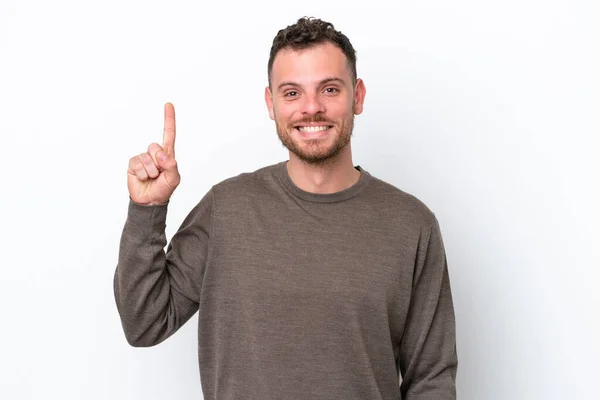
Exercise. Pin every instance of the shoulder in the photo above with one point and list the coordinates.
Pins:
(247, 179)
(247, 185)
(399, 204)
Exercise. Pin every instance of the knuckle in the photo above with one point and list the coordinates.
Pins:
(171, 165)
(139, 169)
(146, 159)
(153, 148)
(141, 174)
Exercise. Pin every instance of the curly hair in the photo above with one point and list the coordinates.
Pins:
(308, 32)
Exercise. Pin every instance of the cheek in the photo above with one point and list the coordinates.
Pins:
(280, 109)
(286, 114)
(340, 108)
(339, 114)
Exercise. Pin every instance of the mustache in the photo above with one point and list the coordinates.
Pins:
(310, 119)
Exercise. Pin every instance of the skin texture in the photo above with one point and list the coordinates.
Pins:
(314, 86)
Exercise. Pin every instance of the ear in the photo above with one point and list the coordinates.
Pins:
(360, 91)
(269, 102)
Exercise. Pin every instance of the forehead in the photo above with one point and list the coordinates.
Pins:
(306, 66)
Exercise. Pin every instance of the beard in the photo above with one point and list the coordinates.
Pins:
(314, 151)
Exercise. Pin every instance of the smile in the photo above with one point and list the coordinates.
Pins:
(312, 129)
(314, 132)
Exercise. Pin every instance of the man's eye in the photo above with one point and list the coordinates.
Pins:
(291, 94)
(331, 90)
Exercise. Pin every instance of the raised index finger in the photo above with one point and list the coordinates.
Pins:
(169, 130)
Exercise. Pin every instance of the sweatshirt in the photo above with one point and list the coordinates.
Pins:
(300, 295)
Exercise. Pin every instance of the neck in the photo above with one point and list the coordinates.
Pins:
(333, 176)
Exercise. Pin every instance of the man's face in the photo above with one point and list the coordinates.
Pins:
(313, 101)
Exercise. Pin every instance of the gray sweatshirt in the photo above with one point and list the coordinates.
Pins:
(300, 295)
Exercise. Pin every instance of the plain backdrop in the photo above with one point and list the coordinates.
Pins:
(487, 111)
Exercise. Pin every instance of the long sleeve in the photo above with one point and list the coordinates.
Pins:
(156, 292)
(428, 359)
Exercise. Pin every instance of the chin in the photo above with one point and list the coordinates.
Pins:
(317, 154)
(318, 151)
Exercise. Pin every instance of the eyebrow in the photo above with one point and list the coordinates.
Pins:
(323, 82)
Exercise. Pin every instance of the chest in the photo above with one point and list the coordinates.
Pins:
(317, 260)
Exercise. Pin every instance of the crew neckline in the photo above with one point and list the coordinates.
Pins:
(348, 193)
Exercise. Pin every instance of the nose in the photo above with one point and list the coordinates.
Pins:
(312, 104)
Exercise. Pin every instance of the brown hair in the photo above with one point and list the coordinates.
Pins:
(308, 32)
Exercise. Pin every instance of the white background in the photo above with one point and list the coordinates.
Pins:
(488, 111)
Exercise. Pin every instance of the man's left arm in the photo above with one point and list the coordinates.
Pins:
(428, 359)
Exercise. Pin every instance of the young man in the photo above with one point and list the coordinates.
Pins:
(313, 279)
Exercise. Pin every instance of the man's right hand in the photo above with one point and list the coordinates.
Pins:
(153, 176)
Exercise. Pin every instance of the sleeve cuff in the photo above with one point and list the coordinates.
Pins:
(145, 219)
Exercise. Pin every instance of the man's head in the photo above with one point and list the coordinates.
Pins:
(313, 90)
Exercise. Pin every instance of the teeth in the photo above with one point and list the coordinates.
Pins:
(308, 129)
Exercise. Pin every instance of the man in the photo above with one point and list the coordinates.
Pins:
(313, 279)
